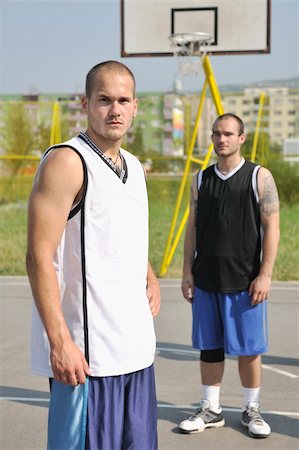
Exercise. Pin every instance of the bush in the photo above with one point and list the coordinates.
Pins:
(286, 176)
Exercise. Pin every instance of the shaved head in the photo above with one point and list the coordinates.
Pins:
(106, 67)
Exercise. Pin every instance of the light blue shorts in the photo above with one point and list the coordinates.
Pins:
(229, 321)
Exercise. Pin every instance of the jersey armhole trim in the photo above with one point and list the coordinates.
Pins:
(75, 209)
(199, 179)
(255, 183)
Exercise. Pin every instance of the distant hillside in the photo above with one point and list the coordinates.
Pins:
(288, 82)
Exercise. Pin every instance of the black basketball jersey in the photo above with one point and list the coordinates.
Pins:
(228, 235)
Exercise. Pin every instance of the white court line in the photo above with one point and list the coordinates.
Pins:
(281, 413)
(194, 352)
(160, 405)
(26, 399)
(282, 372)
(178, 350)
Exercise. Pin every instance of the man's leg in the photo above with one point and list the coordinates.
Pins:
(207, 333)
(246, 335)
(211, 372)
(209, 413)
(211, 376)
(250, 370)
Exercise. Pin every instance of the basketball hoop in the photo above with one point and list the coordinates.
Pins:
(187, 46)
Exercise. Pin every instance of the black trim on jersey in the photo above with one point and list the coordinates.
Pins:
(78, 207)
(83, 265)
(257, 184)
(123, 174)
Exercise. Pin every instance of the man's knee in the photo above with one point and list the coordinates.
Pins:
(212, 356)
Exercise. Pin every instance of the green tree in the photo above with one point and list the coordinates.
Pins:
(137, 144)
(43, 134)
(16, 134)
(43, 137)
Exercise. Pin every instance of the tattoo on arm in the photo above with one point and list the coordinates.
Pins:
(269, 203)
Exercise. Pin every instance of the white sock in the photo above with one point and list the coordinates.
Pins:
(212, 394)
(251, 395)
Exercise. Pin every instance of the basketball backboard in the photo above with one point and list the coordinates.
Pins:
(237, 26)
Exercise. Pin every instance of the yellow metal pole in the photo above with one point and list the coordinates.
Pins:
(184, 180)
(19, 157)
(186, 214)
(257, 127)
(211, 81)
(178, 236)
(187, 124)
(55, 137)
(206, 63)
(208, 156)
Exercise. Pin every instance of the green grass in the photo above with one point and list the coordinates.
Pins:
(162, 197)
(287, 263)
(13, 238)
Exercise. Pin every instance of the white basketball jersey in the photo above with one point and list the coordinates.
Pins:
(101, 265)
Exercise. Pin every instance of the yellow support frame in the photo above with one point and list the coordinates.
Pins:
(172, 243)
(55, 137)
(258, 126)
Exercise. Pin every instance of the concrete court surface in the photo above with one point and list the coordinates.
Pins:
(24, 397)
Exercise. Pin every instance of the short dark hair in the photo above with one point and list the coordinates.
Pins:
(231, 116)
(109, 66)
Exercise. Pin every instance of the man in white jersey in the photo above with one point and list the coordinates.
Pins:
(95, 292)
(230, 248)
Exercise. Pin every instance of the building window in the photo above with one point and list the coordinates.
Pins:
(277, 101)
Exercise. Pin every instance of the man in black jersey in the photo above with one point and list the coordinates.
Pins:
(230, 248)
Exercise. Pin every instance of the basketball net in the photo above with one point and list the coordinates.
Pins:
(189, 50)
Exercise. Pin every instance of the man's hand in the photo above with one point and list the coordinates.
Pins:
(188, 288)
(259, 289)
(68, 364)
(154, 296)
(153, 291)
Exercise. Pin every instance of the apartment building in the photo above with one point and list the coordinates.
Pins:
(167, 120)
(280, 117)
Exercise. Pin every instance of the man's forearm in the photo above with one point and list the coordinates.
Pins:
(269, 250)
(189, 249)
(46, 294)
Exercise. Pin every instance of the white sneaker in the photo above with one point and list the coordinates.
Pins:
(202, 419)
(252, 419)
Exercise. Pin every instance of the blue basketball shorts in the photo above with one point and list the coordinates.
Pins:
(122, 412)
(229, 321)
(106, 413)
